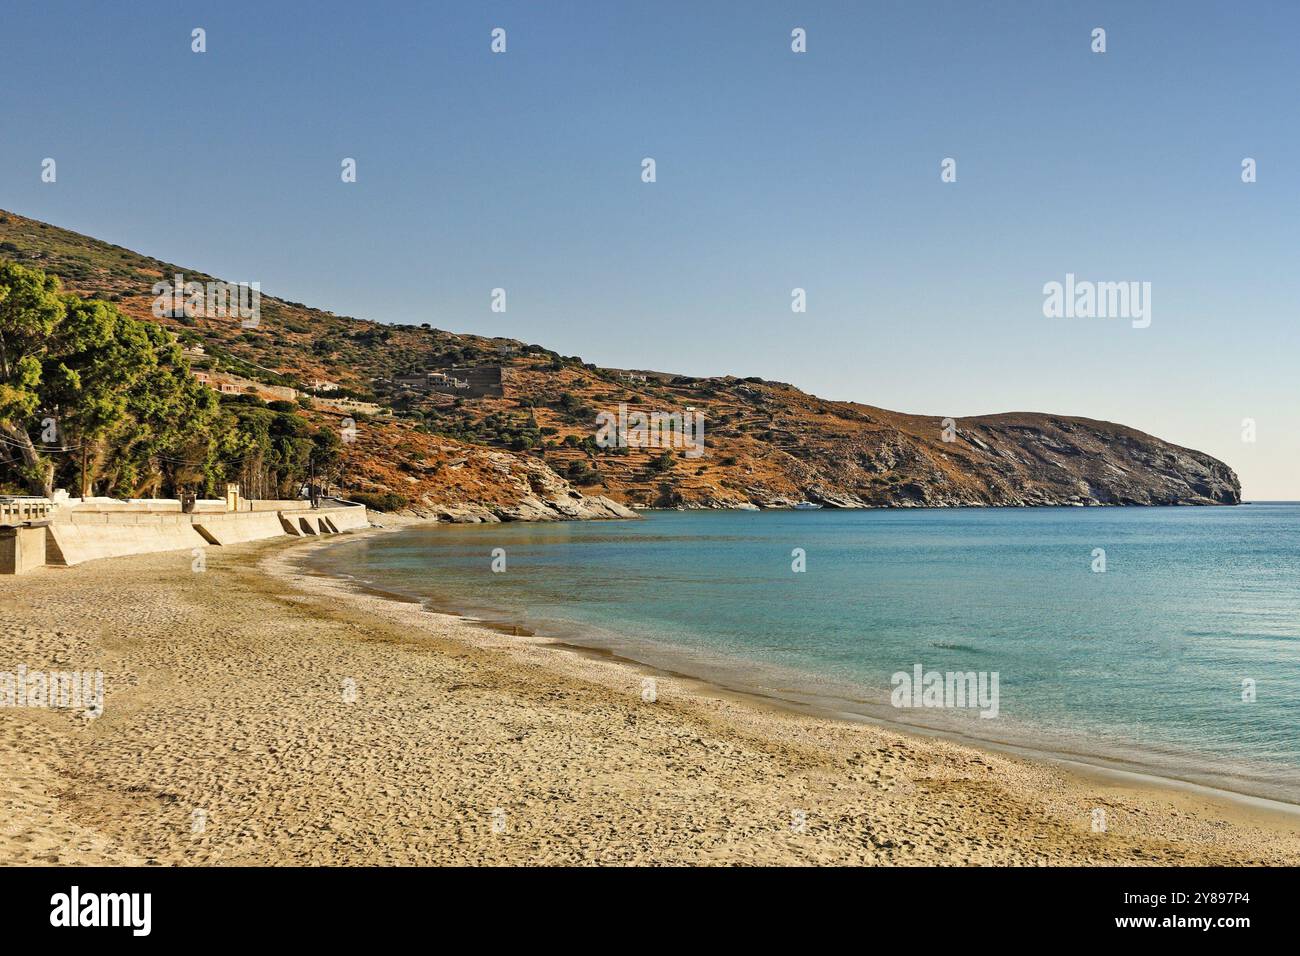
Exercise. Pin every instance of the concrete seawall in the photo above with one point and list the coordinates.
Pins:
(76, 536)
(22, 548)
(237, 527)
(82, 537)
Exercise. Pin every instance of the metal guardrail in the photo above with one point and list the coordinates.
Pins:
(16, 511)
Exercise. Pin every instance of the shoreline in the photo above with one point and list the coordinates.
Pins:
(1084, 764)
(807, 703)
(223, 696)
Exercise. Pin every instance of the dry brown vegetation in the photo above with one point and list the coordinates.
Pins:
(767, 443)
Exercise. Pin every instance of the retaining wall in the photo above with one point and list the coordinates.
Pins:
(21, 549)
(346, 519)
(86, 536)
(78, 536)
(236, 527)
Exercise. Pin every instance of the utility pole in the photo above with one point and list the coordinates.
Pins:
(83, 468)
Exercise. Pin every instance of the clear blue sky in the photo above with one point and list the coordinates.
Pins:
(775, 170)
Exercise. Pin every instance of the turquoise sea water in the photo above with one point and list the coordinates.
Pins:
(1141, 665)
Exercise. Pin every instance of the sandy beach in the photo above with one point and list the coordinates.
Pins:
(256, 714)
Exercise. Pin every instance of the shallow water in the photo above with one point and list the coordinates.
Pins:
(1141, 665)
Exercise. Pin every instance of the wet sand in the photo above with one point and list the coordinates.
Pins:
(257, 714)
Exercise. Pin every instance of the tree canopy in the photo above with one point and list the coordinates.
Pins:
(90, 395)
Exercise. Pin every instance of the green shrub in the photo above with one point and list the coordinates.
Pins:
(380, 501)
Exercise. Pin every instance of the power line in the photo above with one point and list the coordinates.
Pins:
(48, 449)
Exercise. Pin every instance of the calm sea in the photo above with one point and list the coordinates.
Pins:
(1180, 658)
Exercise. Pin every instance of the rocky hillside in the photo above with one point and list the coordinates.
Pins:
(530, 453)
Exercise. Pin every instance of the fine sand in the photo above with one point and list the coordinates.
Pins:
(257, 715)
